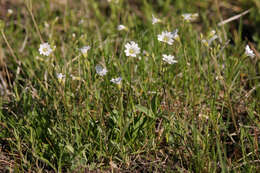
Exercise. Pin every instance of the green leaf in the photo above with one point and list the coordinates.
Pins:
(145, 110)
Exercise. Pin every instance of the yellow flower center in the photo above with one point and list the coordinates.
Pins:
(166, 39)
(45, 49)
(131, 51)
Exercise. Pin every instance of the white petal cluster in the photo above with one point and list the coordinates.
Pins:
(166, 37)
(190, 16)
(101, 70)
(175, 34)
(212, 36)
(132, 49)
(186, 16)
(155, 20)
(115, 1)
(116, 80)
(45, 49)
(84, 50)
(61, 77)
(249, 52)
(121, 27)
(10, 11)
(169, 59)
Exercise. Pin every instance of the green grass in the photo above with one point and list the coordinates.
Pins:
(199, 115)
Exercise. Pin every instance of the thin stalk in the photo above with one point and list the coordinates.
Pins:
(33, 19)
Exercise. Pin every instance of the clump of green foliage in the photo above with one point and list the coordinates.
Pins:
(200, 114)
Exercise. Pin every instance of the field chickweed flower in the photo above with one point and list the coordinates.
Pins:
(169, 59)
(155, 20)
(210, 38)
(45, 49)
(214, 37)
(121, 27)
(190, 17)
(61, 77)
(84, 50)
(10, 12)
(132, 49)
(249, 52)
(116, 80)
(100, 70)
(115, 1)
(212, 33)
(166, 37)
(186, 16)
(81, 21)
(175, 35)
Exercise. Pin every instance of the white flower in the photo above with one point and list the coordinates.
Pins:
(10, 11)
(121, 27)
(46, 25)
(115, 1)
(81, 21)
(116, 80)
(249, 52)
(205, 42)
(84, 50)
(45, 49)
(155, 20)
(169, 59)
(132, 49)
(175, 34)
(61, 77)
(166, 37)
(214, 37)
(210, 38)
(100, 70)
(189, 16)
(212, 33)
